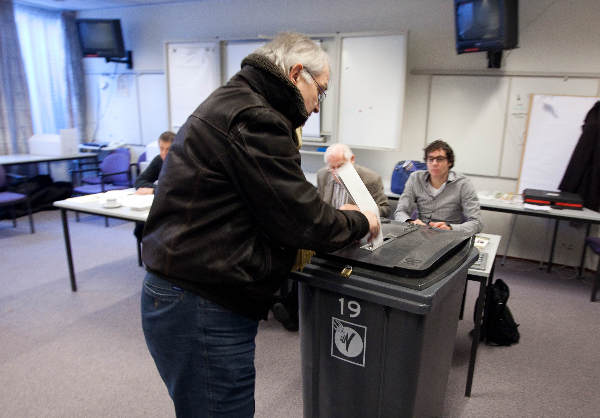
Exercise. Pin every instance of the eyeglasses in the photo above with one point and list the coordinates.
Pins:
(322, 93)
(430, 160)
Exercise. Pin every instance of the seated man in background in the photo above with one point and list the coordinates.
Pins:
(442, 198)
(146, 181)
(334, 193)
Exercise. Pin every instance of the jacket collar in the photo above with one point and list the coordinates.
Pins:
(277, 89)
(451, 176)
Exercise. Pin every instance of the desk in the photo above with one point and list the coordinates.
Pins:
(586, 215)
(19, 159)
(484, 277)
(92, 204)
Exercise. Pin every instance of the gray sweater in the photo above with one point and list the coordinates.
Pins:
(456, 204)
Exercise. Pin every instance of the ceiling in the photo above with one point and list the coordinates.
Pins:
(93, 4)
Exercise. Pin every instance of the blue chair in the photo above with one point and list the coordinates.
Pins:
(594, 244)
(12, 199)
(113, 173)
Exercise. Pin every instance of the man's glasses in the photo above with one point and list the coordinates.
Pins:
(430, 160)
(322, 93)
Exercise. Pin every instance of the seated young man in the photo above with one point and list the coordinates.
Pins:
(442, 198)
(146, 181)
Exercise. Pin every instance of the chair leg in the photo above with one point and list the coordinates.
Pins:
(106, 221)
(76, 216)
(29, 214)
(596, 283)
(13, 212)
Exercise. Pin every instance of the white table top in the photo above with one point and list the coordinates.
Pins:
(132, 207)
(517, 207)
(32, 158)
(491, 248)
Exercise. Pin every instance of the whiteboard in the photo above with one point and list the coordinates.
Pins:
(193, 72)
(372, 82)
(518, 105)
(468, 113)
(113, 108)
(153, 106)
(552, 132)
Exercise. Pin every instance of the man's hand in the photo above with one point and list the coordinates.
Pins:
(373, 224)
(145, 190)
(419, 222)
(440, 225)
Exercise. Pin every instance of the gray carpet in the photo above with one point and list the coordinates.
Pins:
(82, 354)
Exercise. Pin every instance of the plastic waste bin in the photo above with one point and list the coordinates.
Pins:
(376, 338)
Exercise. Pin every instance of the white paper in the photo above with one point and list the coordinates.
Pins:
(361, 196)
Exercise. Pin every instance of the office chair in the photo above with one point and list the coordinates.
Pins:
(594, 244)
(112, 174)
(12, 199)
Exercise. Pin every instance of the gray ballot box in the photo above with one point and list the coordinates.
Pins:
(377, 328)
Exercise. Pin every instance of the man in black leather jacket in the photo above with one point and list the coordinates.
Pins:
(232, 209)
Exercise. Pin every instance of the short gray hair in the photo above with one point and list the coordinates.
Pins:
(336, 148)
(290, 48)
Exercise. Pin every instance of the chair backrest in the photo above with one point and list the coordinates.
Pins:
(2, 177)
(113, 163)
(142, 157)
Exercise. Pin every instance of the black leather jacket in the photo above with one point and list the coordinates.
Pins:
(233, 206)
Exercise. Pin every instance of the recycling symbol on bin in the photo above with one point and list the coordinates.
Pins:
(348, 341)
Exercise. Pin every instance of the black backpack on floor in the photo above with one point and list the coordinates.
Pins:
(499, 326)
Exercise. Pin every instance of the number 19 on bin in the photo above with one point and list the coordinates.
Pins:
(352, 306)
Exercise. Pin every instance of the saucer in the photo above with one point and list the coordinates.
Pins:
(113, 206)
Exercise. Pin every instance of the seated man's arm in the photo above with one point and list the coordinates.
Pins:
(406, 202)
(471, 210)
(147, 177)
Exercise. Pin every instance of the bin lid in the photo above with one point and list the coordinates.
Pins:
(408, 251)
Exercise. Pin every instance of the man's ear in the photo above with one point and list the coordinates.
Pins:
(294, 73)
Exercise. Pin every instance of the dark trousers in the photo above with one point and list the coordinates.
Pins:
(204, 352)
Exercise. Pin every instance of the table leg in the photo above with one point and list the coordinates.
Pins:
(63, 215)
(582, 261)
(551, 257)
(512, 228)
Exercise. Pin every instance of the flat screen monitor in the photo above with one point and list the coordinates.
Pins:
(101, 38)
(486, 25)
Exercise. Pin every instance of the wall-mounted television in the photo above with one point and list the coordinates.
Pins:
(101, 38)
(486, 25)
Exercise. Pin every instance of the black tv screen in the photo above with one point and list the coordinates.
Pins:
(101, 38)
(486, 25)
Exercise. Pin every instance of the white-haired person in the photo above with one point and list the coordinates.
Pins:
(231, 212)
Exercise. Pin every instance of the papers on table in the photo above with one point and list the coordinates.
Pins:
(536, 207)
(126, 198)
(361, 196)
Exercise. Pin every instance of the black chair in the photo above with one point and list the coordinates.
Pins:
(13, 199)
(594, 244)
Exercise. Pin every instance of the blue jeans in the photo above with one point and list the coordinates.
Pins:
(204, 352)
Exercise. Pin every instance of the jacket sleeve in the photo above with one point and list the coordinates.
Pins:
(150, 174)
(471, 210)
(265, 168)
(406, 202)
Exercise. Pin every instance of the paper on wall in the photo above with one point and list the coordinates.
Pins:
(361, 196)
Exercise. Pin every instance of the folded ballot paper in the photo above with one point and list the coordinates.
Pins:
(361, 196)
